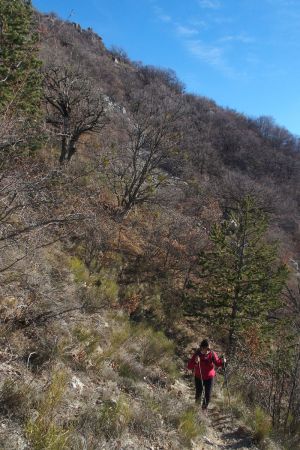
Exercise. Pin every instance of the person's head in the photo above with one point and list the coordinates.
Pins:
(204, 346)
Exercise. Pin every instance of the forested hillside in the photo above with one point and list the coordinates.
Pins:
(136, 219)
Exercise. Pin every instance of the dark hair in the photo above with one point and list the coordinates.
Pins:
(204, 344)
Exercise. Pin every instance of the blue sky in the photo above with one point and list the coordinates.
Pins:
(244, 54)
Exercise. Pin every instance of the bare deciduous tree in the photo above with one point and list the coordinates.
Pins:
(150, 137)
(31, 216)
(74, 106)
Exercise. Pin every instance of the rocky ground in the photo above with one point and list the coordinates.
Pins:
(119, 385)
(222, 430)
(219, 429)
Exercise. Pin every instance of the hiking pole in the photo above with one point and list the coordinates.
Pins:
(227, 388)
(202, 384)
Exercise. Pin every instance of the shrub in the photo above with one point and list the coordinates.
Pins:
(47, 436)
(137, 348)
(171, 407)
(146, 421)
(237, 406)
(108, 288)
(81, 349)
(261, 425)
(189, 427)
(128, 369)
(43, 433)
(79, 270)
(15, 398)
(114, 417)
(122, 332)
(103, 290)
(157, 349)
(130, 297)
(110, 419)
(156, 345)
(88, 338)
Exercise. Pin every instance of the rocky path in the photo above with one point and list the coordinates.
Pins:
(222, 431)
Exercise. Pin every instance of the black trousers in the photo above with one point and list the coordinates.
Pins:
(207, 384)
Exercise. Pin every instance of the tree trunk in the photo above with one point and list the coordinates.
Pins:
(63, 151)
(294, 384)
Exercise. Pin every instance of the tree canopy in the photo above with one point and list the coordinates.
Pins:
(240, 280)
(19, 75)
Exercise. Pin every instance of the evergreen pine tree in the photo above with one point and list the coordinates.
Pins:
(20, 81)
(240, 278)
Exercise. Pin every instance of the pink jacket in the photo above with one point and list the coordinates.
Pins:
(205, 370)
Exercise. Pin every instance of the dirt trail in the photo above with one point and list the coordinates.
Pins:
(222, 431)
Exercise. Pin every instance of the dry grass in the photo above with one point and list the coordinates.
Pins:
(43, 432)
(16, 399)
(110, 419)
(261, 425)
(189, 426)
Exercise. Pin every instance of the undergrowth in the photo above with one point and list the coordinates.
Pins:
(43, 432)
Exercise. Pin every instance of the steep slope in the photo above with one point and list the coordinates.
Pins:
(94, 276)
(218, 148)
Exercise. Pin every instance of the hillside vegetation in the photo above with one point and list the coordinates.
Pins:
(136, 219)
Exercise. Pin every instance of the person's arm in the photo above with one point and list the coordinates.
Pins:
(192, 362)
(218, 361)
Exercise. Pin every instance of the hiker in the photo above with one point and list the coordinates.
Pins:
(202, 363)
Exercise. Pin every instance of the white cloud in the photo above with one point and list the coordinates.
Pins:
(212, 55)
(165, 18)
(197, 23)
(244, 39)
(210, 4)
(186, 31)
(161, 15)
(181, 30)
(284, 3)
(223, 20)
(208, 53)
